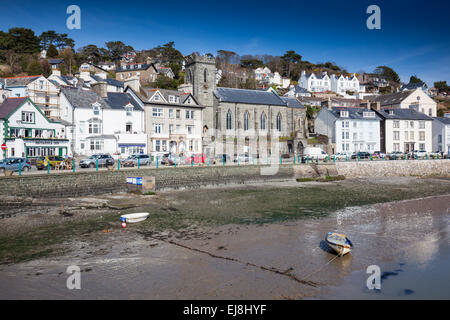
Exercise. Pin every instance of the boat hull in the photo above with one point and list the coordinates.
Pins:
(339, 249)
(134, 217)
(339, 243)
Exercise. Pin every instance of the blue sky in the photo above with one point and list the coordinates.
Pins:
(414, 36)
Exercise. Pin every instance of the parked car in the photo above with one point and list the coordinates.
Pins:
(103, 161)
(419, 154)
(313, 153)
(222, 158)
(341, 156)
(396, 155)
(379, 154)
(196, 158)
(53, 161)
(361, 155)
(134, 160)
(174, 159)
(164, 159)
(243, 158)
(13, 164)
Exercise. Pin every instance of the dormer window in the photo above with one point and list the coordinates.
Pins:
(96, 108)
(369, 114)
(344, 114)
(391, 112)
(156, 97)
(129, 110)
(171, 99)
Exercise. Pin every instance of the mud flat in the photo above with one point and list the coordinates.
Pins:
(248, 242)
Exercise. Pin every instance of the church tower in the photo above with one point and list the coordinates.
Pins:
(201, 74)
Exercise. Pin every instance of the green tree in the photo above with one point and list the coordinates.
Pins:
(52, 52)
(164, 82)
(59, 40)
(34, 68)
(92, 53)
(251, 63)
(20, 40)
(442, 86)
(387, 73)
(115, 49)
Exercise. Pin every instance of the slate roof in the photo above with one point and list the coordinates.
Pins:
(109, 81)
(444, 120)
(390, 99)
(55, 61)
(403, 114)
(353, 113)
(118, 100)
(412, 86)
(248, 96)
(80, 98)
(149, 92)
(19, 81)
(292, 102)
(135, 67)
(9, 105)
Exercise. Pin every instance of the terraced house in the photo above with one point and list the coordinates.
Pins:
(28, 133)
(173, 120)
(103, 122)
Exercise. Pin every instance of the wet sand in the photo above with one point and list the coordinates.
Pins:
(271, 261)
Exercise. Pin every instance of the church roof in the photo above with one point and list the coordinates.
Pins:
(248, 96)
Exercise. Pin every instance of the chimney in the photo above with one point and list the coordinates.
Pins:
(329, 103)
(100, 88)
(366, 103)
(133, 83)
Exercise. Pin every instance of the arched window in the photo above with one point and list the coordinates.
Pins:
(279, 121)
(246, 118)
(205, 75)
(229, 120)
(263, 121)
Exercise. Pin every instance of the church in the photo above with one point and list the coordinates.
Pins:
(257, 123)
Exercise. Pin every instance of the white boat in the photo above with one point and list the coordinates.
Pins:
(134, 217)
(339, 243)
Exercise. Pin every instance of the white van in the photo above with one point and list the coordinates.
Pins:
(312, 153)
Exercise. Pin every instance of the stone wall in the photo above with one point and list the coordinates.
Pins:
(91, 183)
(393, 168)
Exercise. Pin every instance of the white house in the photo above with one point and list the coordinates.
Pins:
(297, 91)
(441, 134)
(104, 122)
(344, 85)
(28, 133)
(405, 130)
(349, 129)
(416, 99)
(315, 83)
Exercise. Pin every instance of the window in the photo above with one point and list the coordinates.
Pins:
(156, 97)
(96, 110)
(171, 99)
(27, 117)
(344, 114)
(229, 120)
(355, 136)
(422, 146)
(170, 128)
(192, 114)
(421, 124)
(157, 112)
(171, 113)
(178, 128)
(205, 75)
(347, 135)
(421, 135)
(38, 133)
(94, 127)
(411, 124)
(82, 126)
(246, 121)
(157, 145)
(128, 128)
(96, 145)
(279, 121)
(129, 110)
(263, 121)
(15, 132)
(369, 114)
(178, 114)
(396, 135)
(190, 129)
(406, 135)
(157, 128)
(396, 124)
(411, 135)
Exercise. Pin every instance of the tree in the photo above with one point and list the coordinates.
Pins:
(290, 60)
(60, 41)
(52, 52)
(414, 79)
(92, 53)
(20, 40)
(387, 73)
(115, 49)
(442, 86)
(34, 68)
(251, 63)
(164, 82)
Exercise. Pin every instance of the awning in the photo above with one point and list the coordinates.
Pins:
(124, 145)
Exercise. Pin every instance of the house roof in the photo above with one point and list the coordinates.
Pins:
(80, 98)
(9, 105)
(118, 100)
(248, 96)
(292, 102)
(109, 81)
(135, 67)
(444, 120)
(403, 114)
(390, 99)
(149, 92)
(412, 86)
(55, 61)
(19, 81)
(353, 113)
